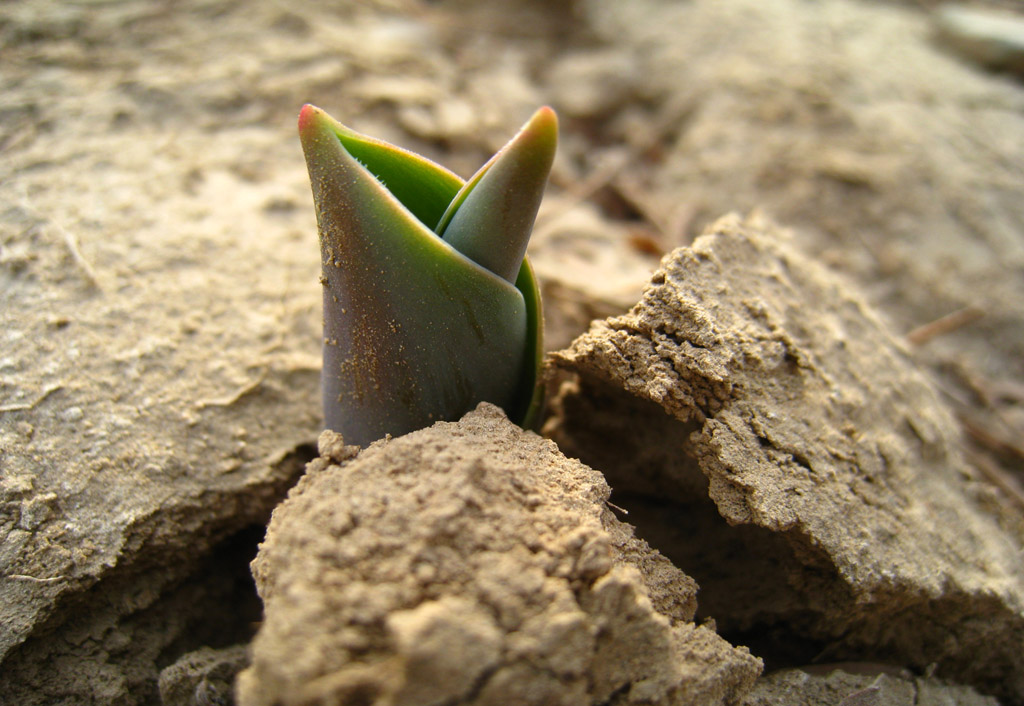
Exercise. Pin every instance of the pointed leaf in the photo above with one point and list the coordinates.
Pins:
(424, 187)
(491, 218)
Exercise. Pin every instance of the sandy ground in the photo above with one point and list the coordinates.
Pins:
(159, 302)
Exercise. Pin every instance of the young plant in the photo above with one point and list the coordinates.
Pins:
(430, 305)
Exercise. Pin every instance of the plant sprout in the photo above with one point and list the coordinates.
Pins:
(430, 305)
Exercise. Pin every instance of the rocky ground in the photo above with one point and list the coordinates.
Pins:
(817, 423)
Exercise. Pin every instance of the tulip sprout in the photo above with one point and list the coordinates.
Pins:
(430, 305)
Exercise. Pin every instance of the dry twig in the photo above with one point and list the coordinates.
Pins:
(945, 324)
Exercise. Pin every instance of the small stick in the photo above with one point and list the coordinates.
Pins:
(999, 478)
(79, 259)
(236, 395)
(69, 240)
(991, 439)
(945, 324)
(870, 696)
(623, 510)
(34, 579)
(21, 406)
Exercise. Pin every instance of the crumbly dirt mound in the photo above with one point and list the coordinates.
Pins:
(472, 563)
(850, 516)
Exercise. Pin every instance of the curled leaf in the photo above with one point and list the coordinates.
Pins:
(415, 328)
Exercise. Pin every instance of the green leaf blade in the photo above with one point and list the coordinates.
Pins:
(491, 218)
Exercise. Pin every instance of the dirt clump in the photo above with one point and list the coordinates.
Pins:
(780, 422)
(472, 563)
